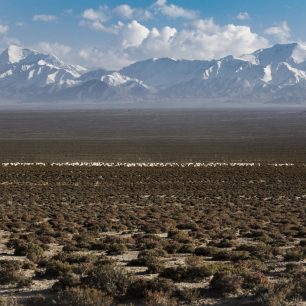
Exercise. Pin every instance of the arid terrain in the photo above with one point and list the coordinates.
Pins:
(224, 235)
(153, 135)
(153, 234)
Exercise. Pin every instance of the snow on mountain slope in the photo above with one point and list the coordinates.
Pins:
(264, 73)
(93, 75)
(165, 72)
(111, 87)
(273, 74)
(274, 55)
(13, 55)
(25, 68)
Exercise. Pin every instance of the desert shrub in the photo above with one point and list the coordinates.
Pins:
(154, 265)
(70, 247)
(224, 243)
(294, 254)
(253, 280)
(222, 255)
(146, 259)
(11, 273)
(9, 301)
(116, 249)
(148, 242)
(28, 265)
(188, 226)
(191, 273)
(24, 281)
(57, 268)
(172, 247)
(109, 278)
(188, 295)
(152, 253)
(67, 280)
(179, 236)
(32, 251)
(73, 258)
(206, 251)
(186, 249)
(239, 255)
(156, 298)
(251, 265)
(192, 261)
(299, 285)
(175, 273)
(226, 283)
(274, 294)
(260, 251)
(139, 288)
(139, 262)
(83, 297)
(84, 240)
(294, 268)
(39, 300)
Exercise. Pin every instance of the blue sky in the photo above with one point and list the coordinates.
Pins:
(114, 33)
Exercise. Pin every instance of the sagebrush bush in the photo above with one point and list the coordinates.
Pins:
(109, 278)
(79, 296)
(157, 298)
(139, 288)
(226, 283)
(11, 273)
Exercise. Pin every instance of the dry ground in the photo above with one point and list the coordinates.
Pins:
(152, 236)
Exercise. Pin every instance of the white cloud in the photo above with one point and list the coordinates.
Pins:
(3, 29)
(299, 53)
(194, 39)
(44, 18)
(57, 49)
(133, 34)
(158, 43)
(127, 12)
(173, 11)
(281, 32)
(96, 19)
(201, 39)
(95, 15)
(124, 10)
(19, 24)
(243, 16)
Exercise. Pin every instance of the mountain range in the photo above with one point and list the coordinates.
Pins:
(273, 75)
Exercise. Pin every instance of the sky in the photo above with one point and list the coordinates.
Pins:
(111, 34)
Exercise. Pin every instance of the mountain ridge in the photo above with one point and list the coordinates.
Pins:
(264, 76)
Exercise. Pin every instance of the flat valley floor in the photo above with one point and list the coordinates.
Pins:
(153, 135)
(166, 236)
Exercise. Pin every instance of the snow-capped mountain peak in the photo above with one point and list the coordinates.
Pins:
(16, 54)
(22, 68)
(274, 74)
